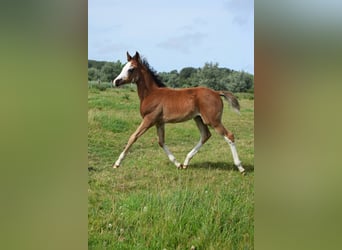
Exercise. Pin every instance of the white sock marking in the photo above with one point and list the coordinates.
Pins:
(237, 161)
(121, 157)
(193, 152)
(172, 158)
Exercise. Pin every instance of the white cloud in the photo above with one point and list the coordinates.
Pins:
(183, 43)
(241, 10)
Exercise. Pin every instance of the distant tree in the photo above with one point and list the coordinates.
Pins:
(117, 67)
(186, 76)
(240, 81)
(171, 78)
(174, 80)
(110, 70)
(93, 74)
(186, 72)
(249, 79)
(95, 64)
(210, 75)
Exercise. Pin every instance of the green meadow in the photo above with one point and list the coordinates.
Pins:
(148, 203)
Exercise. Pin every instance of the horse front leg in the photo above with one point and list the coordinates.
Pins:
(143, 127)
(161, 136)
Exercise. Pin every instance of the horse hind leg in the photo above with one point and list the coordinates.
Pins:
(205, 135)
(229, 138)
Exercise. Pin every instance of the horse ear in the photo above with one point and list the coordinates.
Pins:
(128, 56)
(137, 56)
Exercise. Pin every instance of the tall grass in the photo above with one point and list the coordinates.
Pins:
(147, 203)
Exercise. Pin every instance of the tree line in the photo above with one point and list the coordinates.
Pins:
(210, 75)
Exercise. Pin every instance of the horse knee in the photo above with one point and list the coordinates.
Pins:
(231, 137)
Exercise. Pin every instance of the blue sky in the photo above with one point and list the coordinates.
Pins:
(173, 34)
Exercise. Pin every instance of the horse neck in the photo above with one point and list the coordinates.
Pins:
(145, 85)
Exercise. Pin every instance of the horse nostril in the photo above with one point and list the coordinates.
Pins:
(117, 82)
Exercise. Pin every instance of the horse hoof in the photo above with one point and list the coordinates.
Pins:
(180, 166)
(115, 166)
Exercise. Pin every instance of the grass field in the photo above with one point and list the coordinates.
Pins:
(147, 203)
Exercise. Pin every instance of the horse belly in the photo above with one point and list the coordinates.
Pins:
(179, 113)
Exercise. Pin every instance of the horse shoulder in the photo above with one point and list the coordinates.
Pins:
(151, 105)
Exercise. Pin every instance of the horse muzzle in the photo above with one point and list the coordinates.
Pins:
(117, 82)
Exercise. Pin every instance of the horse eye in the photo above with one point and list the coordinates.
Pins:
(131, 70)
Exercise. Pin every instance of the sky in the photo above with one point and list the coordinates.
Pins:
(173, 34)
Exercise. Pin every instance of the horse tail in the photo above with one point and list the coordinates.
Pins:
(232, 100)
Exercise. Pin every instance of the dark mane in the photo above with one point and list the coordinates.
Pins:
(153, 73)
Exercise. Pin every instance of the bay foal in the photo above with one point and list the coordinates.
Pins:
(160, 105)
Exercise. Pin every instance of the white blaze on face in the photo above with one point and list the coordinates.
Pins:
(124, 72)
